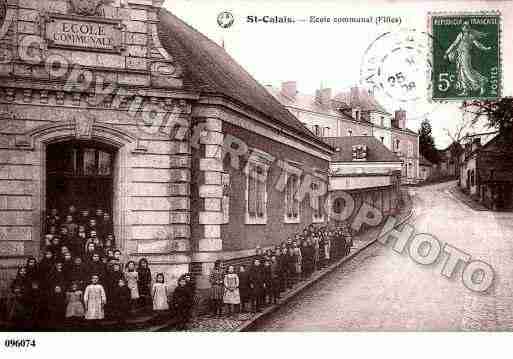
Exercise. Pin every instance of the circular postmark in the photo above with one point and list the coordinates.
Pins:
(396, 68)
(225, 19)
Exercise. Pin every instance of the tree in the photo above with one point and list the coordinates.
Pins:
(498, 114)
(427, 142)
(458, 133)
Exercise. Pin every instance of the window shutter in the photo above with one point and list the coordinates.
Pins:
(252, 190)
(261, 193)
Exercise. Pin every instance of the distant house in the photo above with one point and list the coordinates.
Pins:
(486, 171)
(353, 113)
(363, 167)
(449, 161)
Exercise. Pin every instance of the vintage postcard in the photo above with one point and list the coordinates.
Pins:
(234, 166)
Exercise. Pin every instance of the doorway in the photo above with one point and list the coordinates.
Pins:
(80, 173)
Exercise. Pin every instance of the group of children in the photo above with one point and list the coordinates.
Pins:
(277, 269)
(81, 276)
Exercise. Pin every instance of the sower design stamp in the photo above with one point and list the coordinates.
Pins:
(466, 56)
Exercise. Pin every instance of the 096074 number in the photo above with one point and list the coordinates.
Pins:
(20, 343)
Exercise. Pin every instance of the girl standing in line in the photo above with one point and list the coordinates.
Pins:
(94, 300)
(75, 308)
(144, 281)
(132, 277)
(159, 294)
(244, 290)
(121, 299)
(216, 290)
(231, 293)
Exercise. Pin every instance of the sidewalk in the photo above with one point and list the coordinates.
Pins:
(466, 199)
(245, 321)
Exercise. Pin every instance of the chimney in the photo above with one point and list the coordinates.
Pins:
(354, 97)
(323, 96)
(289, 88)
(400, 119)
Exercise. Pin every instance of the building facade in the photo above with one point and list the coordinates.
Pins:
(353, 113)
(449, 165)
(426, 168)
(486, 170)
(364, 168)
(124, 107)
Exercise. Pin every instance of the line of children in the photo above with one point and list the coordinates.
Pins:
(277, 270)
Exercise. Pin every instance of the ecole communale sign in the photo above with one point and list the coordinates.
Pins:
(75, 32)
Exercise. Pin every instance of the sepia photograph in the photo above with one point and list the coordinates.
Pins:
(193, 166)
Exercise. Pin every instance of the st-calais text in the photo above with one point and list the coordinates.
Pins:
(270, 19)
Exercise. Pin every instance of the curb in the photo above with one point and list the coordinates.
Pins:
(467, 200)
(321, 274)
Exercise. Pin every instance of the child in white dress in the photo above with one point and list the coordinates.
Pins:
(132, 277)
(94, 300)
(231, 285)
(159, 293)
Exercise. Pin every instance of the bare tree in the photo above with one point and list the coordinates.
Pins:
(498, 114)
(463, 127)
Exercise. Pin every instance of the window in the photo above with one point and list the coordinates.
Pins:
(382, 121)
(291, 214)
(77, 160)
(317, 211)
(256, 171)
(410, 148)
(357, 115)
(225, 204)
(472, 178)
(382, 139)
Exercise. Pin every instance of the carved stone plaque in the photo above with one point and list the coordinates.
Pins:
(84, 33)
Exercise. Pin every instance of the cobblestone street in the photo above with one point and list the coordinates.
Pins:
(382, 290)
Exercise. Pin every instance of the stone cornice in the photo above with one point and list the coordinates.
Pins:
(208, 111)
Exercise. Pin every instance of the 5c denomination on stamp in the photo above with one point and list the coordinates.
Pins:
(467, 56)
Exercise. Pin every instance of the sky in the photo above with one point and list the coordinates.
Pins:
(334, 54)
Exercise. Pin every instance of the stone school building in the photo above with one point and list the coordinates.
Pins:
(87, 97)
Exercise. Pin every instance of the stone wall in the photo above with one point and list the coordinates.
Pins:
(138, 78)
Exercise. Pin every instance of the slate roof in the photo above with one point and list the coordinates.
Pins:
(306, 102)
(376, 150)
(360, 98)
(209, 69)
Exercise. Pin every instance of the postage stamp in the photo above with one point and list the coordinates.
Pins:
(466, 55)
